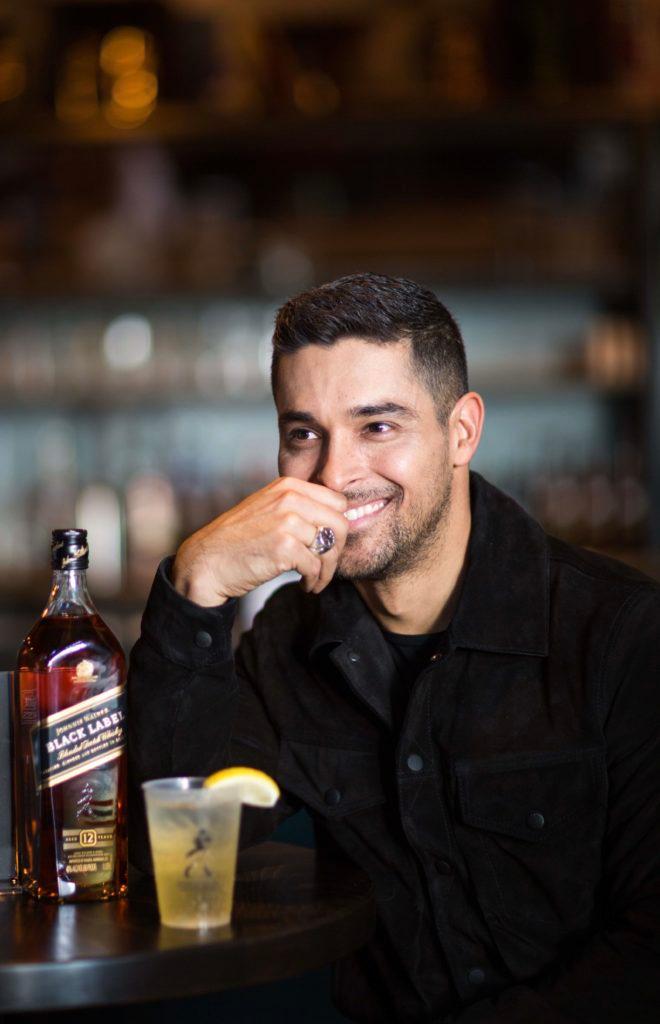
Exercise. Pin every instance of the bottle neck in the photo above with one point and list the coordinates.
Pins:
(69, 594)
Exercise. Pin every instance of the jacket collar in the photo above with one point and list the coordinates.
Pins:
(504, 602)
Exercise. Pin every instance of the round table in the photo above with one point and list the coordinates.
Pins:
(293, 912)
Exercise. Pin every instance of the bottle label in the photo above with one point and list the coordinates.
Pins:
(89, 851)
(79, 738)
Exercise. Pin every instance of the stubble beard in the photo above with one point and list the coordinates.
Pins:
(405, 545)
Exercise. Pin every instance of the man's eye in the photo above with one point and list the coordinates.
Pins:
(378, 428)
(301, 434)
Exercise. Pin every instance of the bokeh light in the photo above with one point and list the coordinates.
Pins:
(136, 90)
(76, 95)
(131, 84)
(128, 342)
(13, 72)
(123, 50)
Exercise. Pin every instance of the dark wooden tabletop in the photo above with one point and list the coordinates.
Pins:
(293, 913)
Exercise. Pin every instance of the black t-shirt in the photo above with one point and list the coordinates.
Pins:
(411, 654)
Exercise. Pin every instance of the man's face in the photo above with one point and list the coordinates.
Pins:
(354, 418)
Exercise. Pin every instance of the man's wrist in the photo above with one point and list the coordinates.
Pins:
(182, 631)
(199, 594)
(195, 589)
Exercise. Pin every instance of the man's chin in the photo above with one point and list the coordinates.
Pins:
(364, 568)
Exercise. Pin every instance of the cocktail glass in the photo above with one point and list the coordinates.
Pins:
(193, 832)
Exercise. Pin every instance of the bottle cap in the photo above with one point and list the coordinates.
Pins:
(69, 549)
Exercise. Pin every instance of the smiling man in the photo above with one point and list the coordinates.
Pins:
(467, 707)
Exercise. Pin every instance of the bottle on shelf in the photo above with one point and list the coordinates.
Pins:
(69, 740)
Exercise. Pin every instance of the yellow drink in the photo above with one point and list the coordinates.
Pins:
(194, 839)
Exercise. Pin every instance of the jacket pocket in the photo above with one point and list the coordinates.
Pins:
(332, 781)
(530, 828)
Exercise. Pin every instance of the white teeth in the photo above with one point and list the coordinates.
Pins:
(364, 510)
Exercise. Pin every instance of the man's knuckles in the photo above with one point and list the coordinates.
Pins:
(287, 550)
(287, 489)
(290, 521)
(290, 489)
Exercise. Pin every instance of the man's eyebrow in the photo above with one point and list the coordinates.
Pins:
(295, 416)
(383, 409)
(357, 412)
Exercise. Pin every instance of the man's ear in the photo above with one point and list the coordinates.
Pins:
(465, 425)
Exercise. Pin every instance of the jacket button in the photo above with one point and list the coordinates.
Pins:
(436, 656)
(353, 656)
(203, 639)
(332, 797)
(415, 762)
(444, 867)
(476, 976)
(535, 820)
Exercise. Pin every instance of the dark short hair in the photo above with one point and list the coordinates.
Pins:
(381, 310)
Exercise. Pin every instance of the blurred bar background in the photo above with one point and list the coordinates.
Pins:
(170, 172)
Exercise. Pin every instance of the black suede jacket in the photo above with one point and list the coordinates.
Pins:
(511, 826)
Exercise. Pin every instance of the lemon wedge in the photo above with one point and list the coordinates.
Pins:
(248, 784)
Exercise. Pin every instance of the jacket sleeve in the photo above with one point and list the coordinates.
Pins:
(193, 708)
(613, 975)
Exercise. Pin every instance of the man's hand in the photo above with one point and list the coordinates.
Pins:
(266, 534)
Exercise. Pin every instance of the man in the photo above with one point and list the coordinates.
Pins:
(468, 708)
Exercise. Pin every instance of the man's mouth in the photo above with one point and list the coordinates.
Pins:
(362, 511)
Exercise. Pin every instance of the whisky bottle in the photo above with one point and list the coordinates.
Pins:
(69, 742)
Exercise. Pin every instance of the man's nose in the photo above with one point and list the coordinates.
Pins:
(338, 466)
